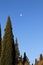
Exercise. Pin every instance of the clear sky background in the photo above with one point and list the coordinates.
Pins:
(27, 24)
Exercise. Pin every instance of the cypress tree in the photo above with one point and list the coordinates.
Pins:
(32, 63)
(7, 45)
(16, 51)
(41, 57)
(25, 60)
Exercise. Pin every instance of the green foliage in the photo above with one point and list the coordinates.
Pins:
(17, 50)
(7, 45)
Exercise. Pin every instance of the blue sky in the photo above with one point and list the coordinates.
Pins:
(27, 23)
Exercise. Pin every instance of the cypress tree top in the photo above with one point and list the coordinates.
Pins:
(8, 24)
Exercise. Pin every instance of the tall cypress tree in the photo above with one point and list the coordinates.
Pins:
(7, 45)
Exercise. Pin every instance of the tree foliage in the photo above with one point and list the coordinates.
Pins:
(41, 57)
(7, 45)
(25, 60)
(17, 54)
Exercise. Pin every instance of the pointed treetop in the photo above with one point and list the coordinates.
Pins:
(25, 58)
(32, 63)
(8, 17)
(16, 41)
(41, 57)
(24, 54)
(8, 22)
(35, 60)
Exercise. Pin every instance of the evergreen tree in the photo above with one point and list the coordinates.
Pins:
(35, 61)
(41, 57)
(32, 63)
(7, 45)
(25, 60)
(16, 51)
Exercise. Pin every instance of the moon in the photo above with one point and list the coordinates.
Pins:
(21, 14)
